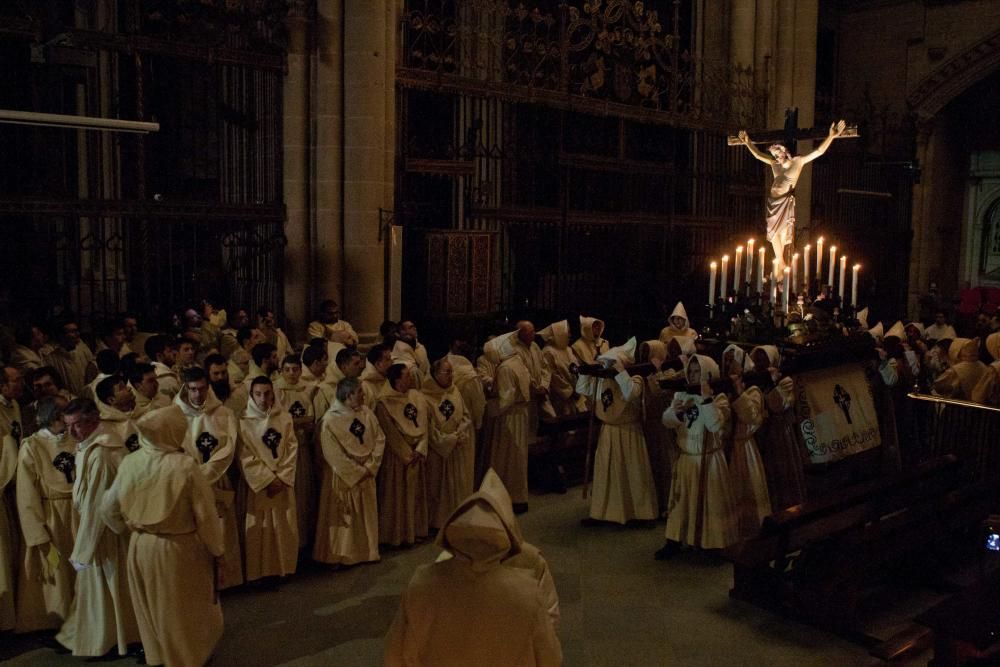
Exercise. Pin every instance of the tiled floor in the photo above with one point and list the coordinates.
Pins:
(619, 607)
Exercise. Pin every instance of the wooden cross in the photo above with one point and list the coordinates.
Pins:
(791, 134)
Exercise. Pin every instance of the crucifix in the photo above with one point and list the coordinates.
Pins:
(786, 168)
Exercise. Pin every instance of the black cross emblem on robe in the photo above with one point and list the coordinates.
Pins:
(271, 440)
(15, 430)
(842, 398)
(447, 408)
(297, 410)
(410, 412)
(358, 430)
(206, 444)
(691, 415)
(607, 398)
(132, 442)
(66, 464)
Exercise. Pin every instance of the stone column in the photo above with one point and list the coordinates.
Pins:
(328, 160)
(369, 155)
(296, 169)
(920, 221)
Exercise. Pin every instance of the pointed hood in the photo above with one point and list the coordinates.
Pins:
(993, 345)
(708, 367)
(679, 311)
(480, 531)
(463, 369)
(862, 316)
(963, 349)
(897, 330)
(624, 353)
(685, 344)
(773, 356)
(877, 332)
(153, 481)
(740, 356)
(556, 334)
(587, 329)
(656, 348)
(917, 326)
(500, 348)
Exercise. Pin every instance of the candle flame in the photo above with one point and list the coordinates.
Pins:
(788, 270)
(739, 249)
(857, 266)
(713, 265)
(725, 258)
(833, 249)
(795, 255)
(821, 240)
(808, 246)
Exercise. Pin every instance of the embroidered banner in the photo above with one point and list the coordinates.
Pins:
(836, 414)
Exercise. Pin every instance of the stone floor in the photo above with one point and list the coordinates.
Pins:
(619, 607)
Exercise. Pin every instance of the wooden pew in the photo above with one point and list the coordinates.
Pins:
(816, 560)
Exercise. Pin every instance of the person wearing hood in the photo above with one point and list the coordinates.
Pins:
(752, 502)
(11, 431)
(408, 350)
(330, 327)
(678, 325)
(232, 394)
(965, 372)
(659, 439)
(402, 484)
(470, 386)
(590, 345)
(70, 356)
(314, 363)
(145, 390)
(561, 362)
(101, 616)
(115, 403)
(167, 506)
(348, 364)
(701, 502)
(213, 433)
(451, 461)
(45, 472)
(352, 445)
(264, 362)
(474, 589)
(162, 353)
(297, 398)
(268, 452)
(524, 345)
(623, 488)
(987, 390)
(239, 361)
(513, 426)
(783, 456)
(373, 378)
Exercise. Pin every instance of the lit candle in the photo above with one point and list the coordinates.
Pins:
(805, 270)
(833, 264)
(795, 269)
(774, 282)
(737, 275)
(854, 286)
(760, 273)
(749, 260)
(711, 285)
(788, 286)
(843, 275)
(722, 277)
(819, 259)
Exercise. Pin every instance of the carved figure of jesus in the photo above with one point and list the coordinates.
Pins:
(780, 209)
